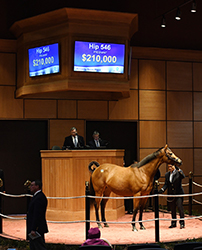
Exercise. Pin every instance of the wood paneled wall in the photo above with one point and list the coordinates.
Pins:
(165, 99)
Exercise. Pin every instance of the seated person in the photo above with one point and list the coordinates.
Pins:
(94, 238)
(97, 142)
(74, 141)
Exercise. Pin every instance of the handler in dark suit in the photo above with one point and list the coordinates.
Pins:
(36, 216)
(97, 142)
(74, 140)
(173, 182)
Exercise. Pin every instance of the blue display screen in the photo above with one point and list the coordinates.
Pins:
(99, 57)
(44, 60)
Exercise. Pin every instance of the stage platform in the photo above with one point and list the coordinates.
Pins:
(117, 234)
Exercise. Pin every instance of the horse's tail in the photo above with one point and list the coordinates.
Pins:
(92, 192)
(90, 166)
(92, 169)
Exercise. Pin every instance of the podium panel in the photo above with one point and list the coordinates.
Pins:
(64, 174)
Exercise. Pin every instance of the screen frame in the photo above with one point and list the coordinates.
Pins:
(59, 60)
(98, 57)
(100, 75)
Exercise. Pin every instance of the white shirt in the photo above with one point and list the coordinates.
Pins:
(171, 175)
(97, 143)
(37, 192)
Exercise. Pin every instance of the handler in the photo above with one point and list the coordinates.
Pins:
(173, 181)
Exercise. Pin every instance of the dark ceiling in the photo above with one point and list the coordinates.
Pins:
(183, 34)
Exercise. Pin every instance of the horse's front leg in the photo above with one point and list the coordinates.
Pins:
(142, 206)
(135, 210)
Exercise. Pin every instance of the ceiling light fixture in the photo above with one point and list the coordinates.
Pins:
(193, 6)
(163, 22)
(178, 14)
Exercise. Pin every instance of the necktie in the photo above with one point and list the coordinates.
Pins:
(97, 143)
(75, 142)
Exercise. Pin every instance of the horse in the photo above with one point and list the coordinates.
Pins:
(135, 180)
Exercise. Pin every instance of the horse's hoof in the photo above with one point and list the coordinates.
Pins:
(99, 226)
(142, 228)
(106, 225)
(134, 229)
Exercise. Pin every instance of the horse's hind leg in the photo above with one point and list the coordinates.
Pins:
(103, 206)
(97, 202)
(142, 206)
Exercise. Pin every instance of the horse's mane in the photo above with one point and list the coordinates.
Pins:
(147, 159)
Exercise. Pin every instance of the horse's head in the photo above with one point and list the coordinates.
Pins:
(170, 157)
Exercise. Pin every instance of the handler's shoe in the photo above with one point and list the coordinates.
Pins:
(182, 226)
(172, 226)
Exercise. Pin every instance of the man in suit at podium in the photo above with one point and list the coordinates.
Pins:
(36, 217)
(97, 142)
(74, 141)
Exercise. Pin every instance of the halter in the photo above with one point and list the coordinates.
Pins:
(170, 157)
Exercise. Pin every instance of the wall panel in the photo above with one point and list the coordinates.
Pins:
(126, 108)
(197, 106)
(134, 74)
(7, 69)
(9, 106)
(151, 74)
(179, 76)
(152, 134)
(92, 109)
(197, 134)
(67, 109)
(179, 134)
(179, 105)
(197, 162)
(59, 129)
(152, 105)
(197, 76)
(40, 109)
(186, 155)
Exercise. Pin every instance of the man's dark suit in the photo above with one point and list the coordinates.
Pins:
(36, 218)
(101, 142)
(174, 188)
(70, 144)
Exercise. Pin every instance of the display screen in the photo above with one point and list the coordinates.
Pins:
(44, 60)
(99, 57)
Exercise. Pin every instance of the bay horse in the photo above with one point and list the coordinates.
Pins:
(135, 180)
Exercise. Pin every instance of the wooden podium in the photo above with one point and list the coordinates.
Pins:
(64, 174)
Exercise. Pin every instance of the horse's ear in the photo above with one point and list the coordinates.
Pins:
(166, 146)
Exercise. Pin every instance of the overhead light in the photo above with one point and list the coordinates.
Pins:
(163, 22)
(178, 14)
(193, 6)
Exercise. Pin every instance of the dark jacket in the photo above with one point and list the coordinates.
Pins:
(70, 144)
(174, 187)
(36, 216)
(92, 144)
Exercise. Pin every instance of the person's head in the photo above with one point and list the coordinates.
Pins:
(171, 168)
(35, 186)
(73, 131)
(94, 233)
(96, 135)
